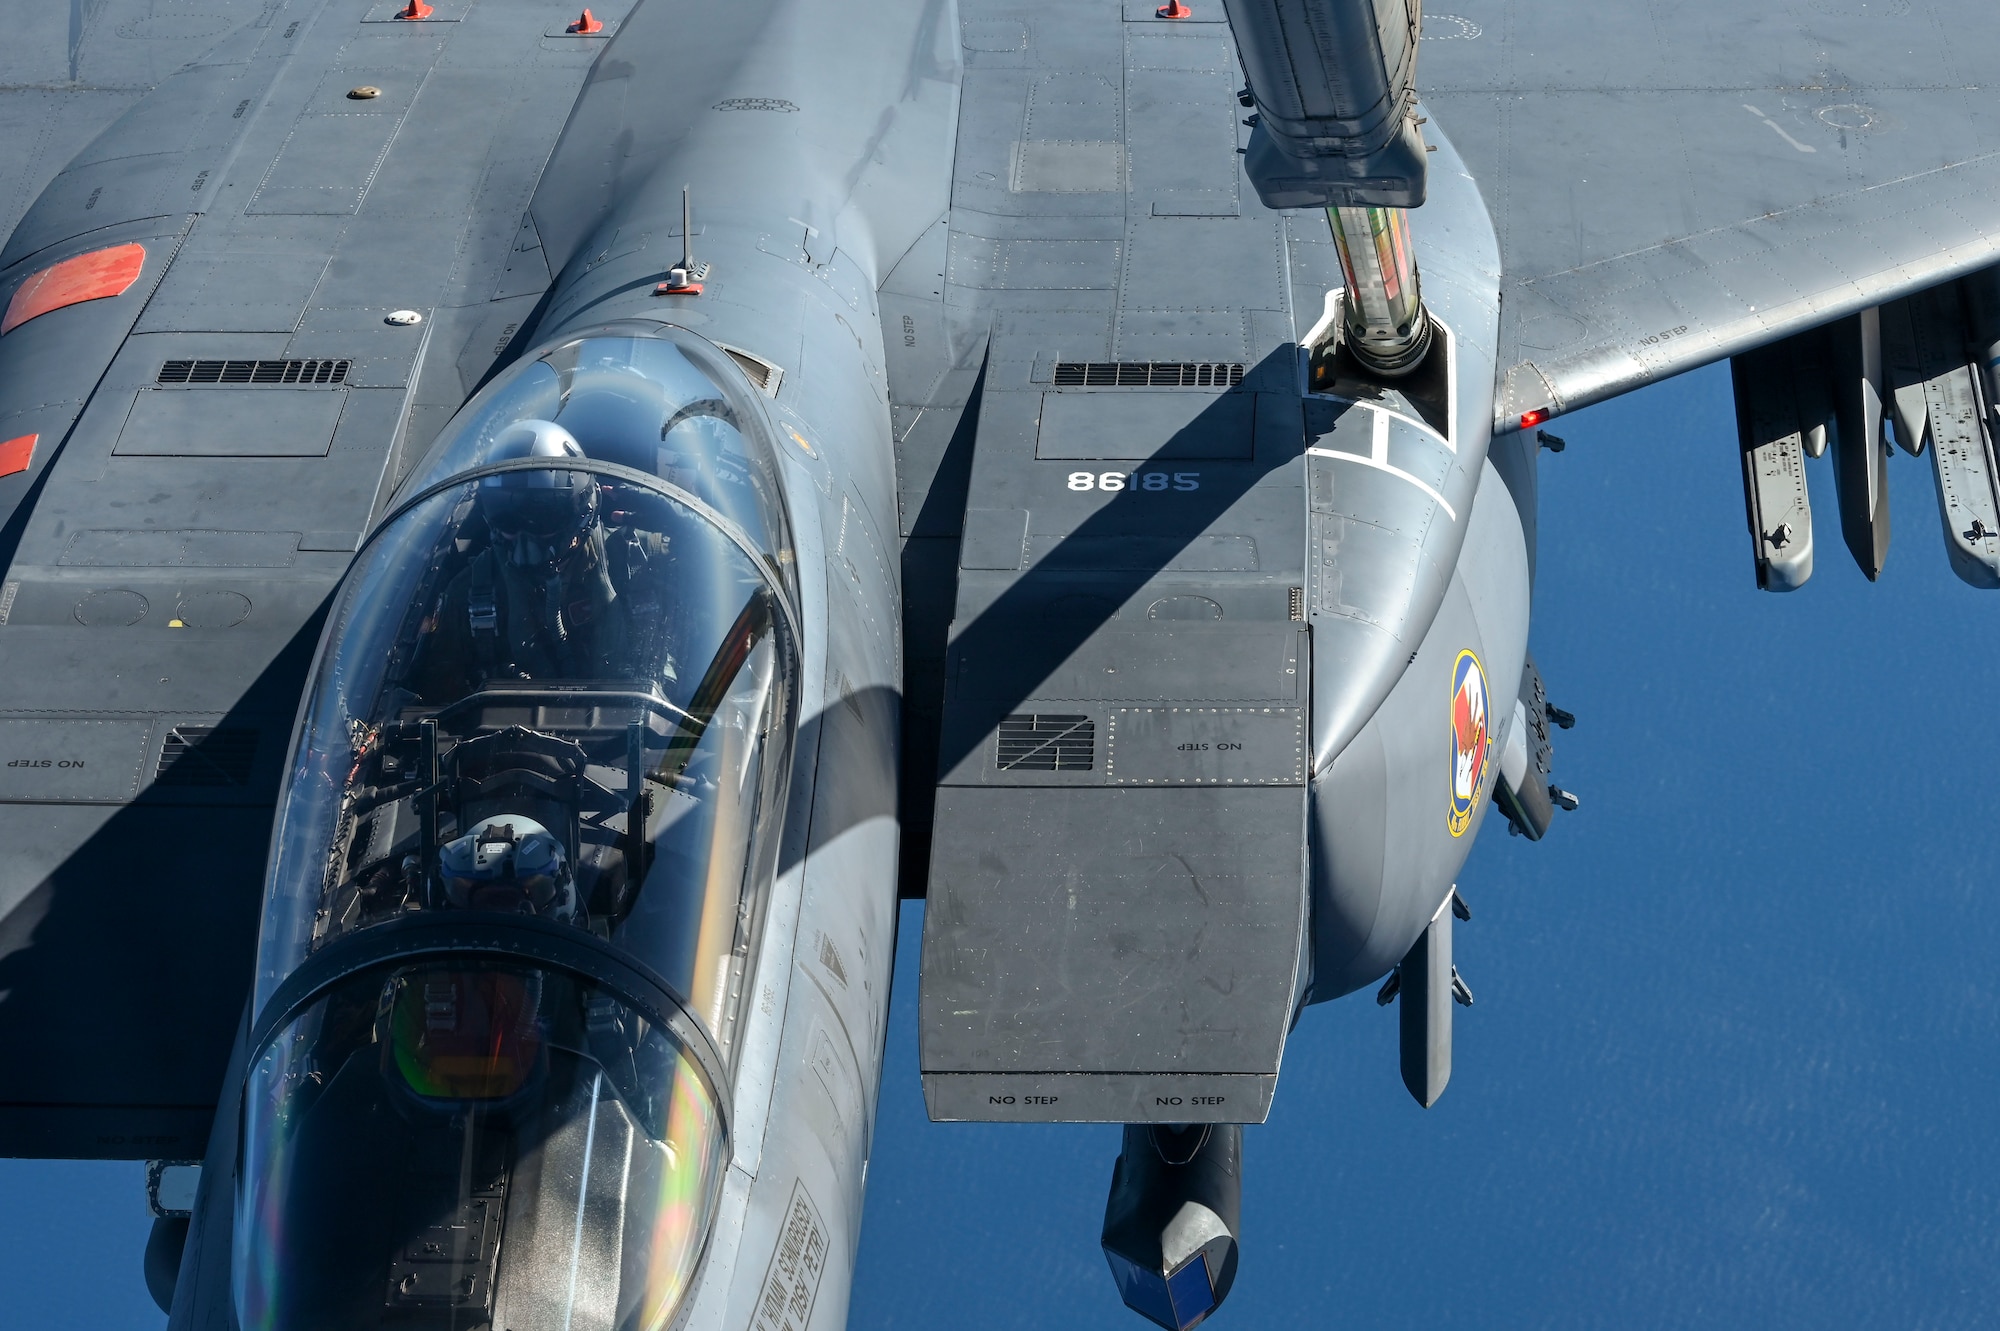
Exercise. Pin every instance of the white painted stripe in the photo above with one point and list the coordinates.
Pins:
(1383, 466)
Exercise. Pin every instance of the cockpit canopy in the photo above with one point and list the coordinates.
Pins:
(641, 395)
(465, 1144)
(557, 693)
(591, 659)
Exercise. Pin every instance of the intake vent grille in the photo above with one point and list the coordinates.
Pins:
(233, 372)
(1035, 743)
(205, 756)
(1146, 374)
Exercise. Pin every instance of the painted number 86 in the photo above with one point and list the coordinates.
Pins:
(1134, 480)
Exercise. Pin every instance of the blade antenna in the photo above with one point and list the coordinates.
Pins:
(687, 232)
(684, 278)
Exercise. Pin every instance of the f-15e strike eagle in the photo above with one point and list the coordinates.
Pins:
(523, 530)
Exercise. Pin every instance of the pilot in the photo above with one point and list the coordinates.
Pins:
(509, 863)
(555, 594)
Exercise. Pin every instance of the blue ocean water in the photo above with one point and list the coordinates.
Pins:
(1733, 1057)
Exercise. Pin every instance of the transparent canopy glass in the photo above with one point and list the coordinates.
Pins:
(467, 1144)
(560, 683)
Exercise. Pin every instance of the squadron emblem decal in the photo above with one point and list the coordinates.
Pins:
(1471, 739)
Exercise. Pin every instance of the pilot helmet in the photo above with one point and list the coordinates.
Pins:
(509, 863)
(537, 517)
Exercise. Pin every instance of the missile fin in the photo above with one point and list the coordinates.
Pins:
(1860, 470)
(1903, 374)
(1961, 423)
(1425, 1018)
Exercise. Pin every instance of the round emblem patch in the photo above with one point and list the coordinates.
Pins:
(1471, 739)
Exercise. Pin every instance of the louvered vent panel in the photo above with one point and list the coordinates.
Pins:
(207, 756)
(1031, 742)
(230, 373)
(760, 371)
(1147, 374)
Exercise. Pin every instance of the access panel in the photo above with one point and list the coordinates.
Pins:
(1118, 880)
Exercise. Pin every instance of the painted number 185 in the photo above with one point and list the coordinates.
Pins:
(1134, 480)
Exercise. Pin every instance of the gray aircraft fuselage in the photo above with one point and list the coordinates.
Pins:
(1288, 604)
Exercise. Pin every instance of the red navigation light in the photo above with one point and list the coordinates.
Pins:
(1530, 419)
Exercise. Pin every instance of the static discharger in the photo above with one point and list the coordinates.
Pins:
(684, 278)
(586, 25)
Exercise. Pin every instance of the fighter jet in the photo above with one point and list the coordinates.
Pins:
(524, 531)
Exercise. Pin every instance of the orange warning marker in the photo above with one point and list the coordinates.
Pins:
(1174, 9)
(586, 25)
(416, 9)
(93, 276)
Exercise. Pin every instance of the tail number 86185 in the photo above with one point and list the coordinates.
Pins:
(1143, 481)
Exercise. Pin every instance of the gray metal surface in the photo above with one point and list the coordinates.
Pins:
(168, 549)
(1674, 184)
(1149, 976)
(1332, 81)
(1106, 529)
(799, 232)
(1182, 615)
(68, 71)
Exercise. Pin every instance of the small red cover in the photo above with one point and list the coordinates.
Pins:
(91, 276)
(16, 454)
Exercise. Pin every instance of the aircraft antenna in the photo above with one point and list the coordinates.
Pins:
(684, 278)
(687, 232)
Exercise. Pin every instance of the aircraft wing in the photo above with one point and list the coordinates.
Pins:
(287, 149)
(68, 71)
(1677, 182)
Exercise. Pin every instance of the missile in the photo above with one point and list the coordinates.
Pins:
(1171, 1221)
(1772, 440)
